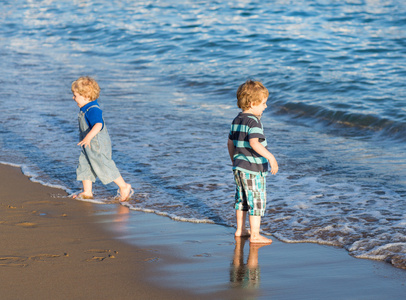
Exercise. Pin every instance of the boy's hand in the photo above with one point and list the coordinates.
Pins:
(274, 166)
(92, 133)
(261, 150)
(85, 142)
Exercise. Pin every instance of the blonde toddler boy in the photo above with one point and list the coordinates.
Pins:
(95, 159)
(248, 153)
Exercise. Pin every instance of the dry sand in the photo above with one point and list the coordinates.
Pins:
(53, 247)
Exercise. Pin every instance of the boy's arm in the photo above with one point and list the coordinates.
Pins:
(261, 150)
(92, 133)
(231, 149)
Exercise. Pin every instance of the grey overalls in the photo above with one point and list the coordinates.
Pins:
(96, 161)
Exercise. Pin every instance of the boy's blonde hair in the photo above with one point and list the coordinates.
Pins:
(251, 92)
(86, 87)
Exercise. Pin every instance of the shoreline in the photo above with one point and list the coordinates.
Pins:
(59, 248)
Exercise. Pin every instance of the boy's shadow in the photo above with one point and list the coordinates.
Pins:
(245, 275)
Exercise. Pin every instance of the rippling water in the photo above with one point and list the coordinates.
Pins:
(169, 71)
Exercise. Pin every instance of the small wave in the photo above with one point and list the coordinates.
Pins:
(362, 122)
(393, 253)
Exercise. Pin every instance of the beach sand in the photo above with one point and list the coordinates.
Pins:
(53, 247)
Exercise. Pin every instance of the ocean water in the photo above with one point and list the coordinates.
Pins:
(169, 71)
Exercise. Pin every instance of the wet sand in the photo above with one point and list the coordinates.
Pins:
(54, 247)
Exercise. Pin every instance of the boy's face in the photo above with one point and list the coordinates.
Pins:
(80, 100)
(259, 109)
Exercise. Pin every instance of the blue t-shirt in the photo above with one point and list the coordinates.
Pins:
(93, 115)
(243, 128)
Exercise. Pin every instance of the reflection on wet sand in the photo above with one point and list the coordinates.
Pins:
(245, 275)
(122, 216)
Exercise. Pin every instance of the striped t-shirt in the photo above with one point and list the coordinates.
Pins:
(243, 128)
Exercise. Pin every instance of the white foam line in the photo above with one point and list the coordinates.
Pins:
(309, 241)
(95, 201)
(33, 176)
(171, 216)
(10, 164)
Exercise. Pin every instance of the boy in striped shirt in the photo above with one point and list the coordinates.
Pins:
(248, 153)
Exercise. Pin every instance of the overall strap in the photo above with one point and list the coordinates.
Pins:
(92, 107)
(97, 106)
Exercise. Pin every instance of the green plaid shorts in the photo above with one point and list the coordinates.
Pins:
(250, 194)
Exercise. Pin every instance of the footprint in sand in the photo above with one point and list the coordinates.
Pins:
(27, 224)
(96, 258)
(100, 258)
(8, 206)
(43, 257)
(151, 259)
(13, 261)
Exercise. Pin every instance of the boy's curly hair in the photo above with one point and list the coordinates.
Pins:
(251, 92)
(86, 87)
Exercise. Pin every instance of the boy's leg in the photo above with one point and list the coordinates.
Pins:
(125, 188)
(241, 220)
(241, 206)
(85, 173)
(256, 195)
(255, 225)
(87, 190)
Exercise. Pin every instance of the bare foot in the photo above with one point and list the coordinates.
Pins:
(242, 233)
(83, 195)
(260, 240)
(126, 193)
